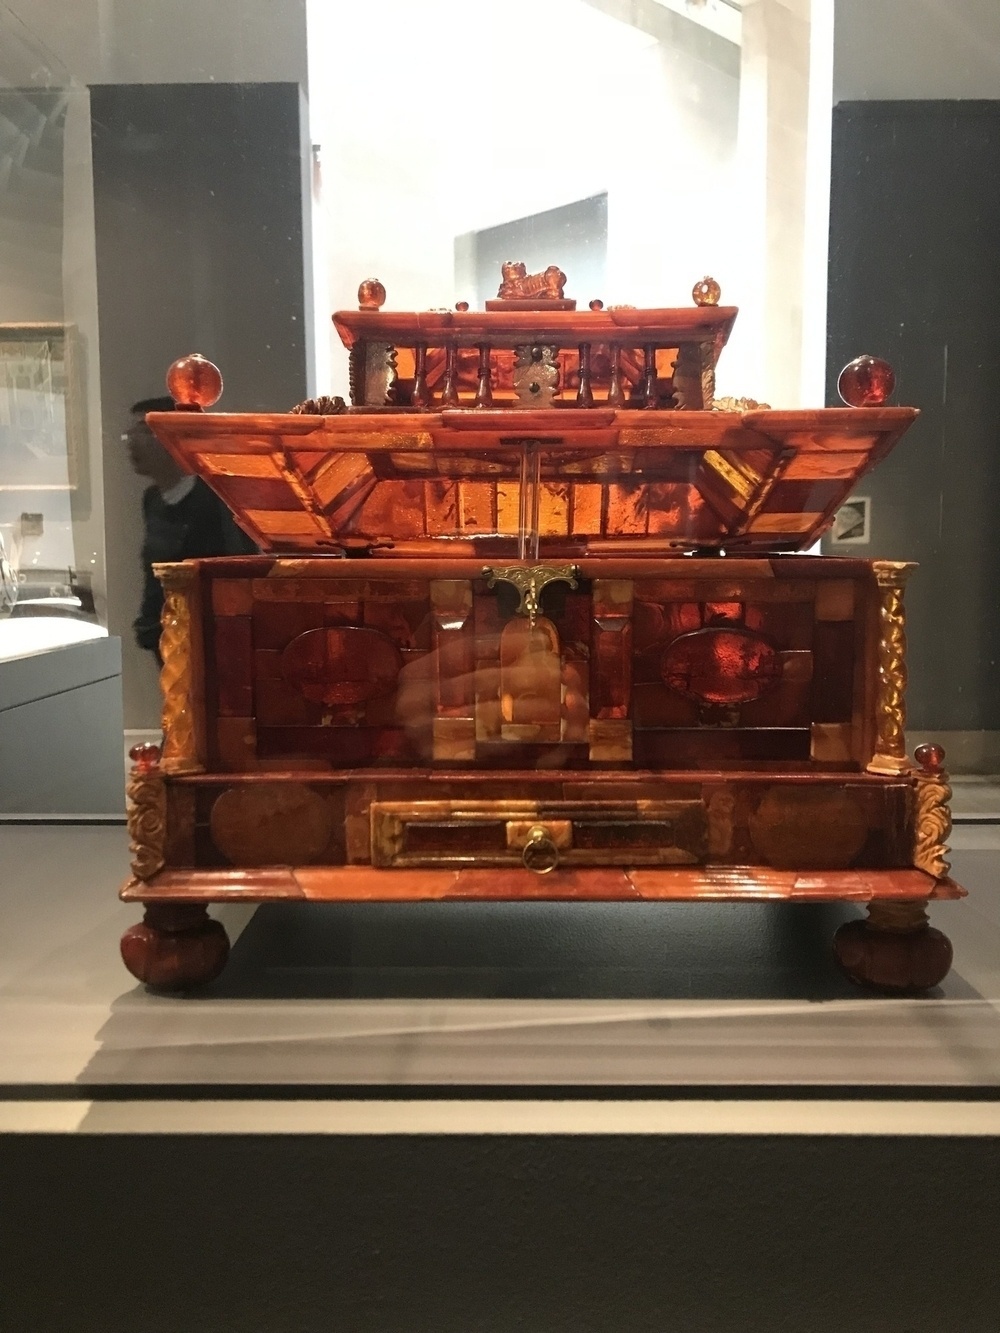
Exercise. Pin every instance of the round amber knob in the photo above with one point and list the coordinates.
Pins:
(461, 306)
(371, 295)
(194, 382)
(930, 758)
(706, 292)
(866, 382)
(540, 854)
(596, 305)
(145, 756)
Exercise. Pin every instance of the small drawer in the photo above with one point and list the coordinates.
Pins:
(542, 835)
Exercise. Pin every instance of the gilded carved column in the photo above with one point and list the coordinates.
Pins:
(890, 701)
(180, 676)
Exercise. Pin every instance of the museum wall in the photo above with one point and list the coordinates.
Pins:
(199, 248)
(57, 49)
(915, 204)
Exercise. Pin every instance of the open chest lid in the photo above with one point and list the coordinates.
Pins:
(530, 429)
(566, 482)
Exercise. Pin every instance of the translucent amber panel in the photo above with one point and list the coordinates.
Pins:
(530, 673)
(720, 666)
(341, 665)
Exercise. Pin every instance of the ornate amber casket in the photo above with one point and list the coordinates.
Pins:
(529, 622)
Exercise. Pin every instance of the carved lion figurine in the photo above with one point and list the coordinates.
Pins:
(518, 283)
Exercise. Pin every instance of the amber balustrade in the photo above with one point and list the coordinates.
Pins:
(538, 358)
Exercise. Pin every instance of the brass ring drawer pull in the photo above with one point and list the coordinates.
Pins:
(540, 853)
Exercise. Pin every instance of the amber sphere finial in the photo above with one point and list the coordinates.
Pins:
(461, 306)
(706, 292)
(145, 756)
(596, 305)
(194, 382)
(929, 757)
(866, 382)
(371, 295)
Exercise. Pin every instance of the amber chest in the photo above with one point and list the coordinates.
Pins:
(531, 624)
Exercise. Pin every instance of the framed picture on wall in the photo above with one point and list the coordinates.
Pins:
(852, 523)
(42, 408)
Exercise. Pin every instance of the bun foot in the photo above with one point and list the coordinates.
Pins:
(894, 949)
(175, 946)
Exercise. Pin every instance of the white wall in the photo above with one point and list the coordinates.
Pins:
(459, 122)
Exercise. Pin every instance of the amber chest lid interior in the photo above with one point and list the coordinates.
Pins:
(538, 431)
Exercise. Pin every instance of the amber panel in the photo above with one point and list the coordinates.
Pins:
(180, 849)
(656, 706)
(587, 502)
(553, 509)
(530, 681)
(339, 612)
(809, 828)
(704, 747)
(407, 623)
(267, 664)
(835, 599)
(441, 506)
(279, 587)
(477, 506)
(611, 649)
(275, 823)
(343, 747)
(789, 625)
(279, 704)
(784, 524)
(720, 666)
(277, 524)
(239, 465)
(824, 467)
(236, 742)
(787, 705)
(678, 510)
(394, 509)
(345, 665)
(508, 506)
(831, 742)
(275, 624)
(256, 493)
(627, 509)
(341, 478)
(832, 688)
(456, 665)
(803, 496)
(571, 612)
(231, 597)
(233, 643)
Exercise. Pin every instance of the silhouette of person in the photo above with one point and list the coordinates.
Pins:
(182, 518)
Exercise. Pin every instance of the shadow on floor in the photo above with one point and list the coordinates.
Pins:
(538, 951)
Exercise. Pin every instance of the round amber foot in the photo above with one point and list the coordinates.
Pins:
(893, 960)
(175, 946)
